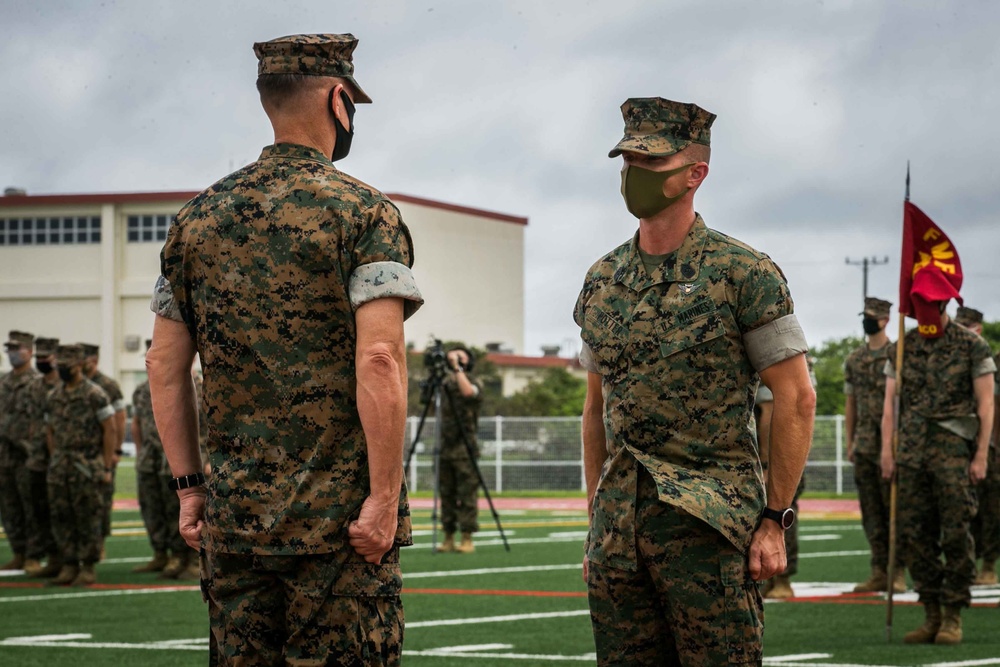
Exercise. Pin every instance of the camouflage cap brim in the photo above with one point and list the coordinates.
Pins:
(650, 145)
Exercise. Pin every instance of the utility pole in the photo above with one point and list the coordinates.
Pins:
(864, 264)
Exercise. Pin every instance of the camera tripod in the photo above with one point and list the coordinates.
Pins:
(432, 390)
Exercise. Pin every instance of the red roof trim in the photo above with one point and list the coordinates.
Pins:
(455, 208)
(12, 201)
(515, 360)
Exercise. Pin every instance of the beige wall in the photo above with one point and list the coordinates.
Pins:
(470, 269)
(471, 272)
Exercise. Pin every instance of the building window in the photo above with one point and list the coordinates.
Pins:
(50, 231)
(148, 228)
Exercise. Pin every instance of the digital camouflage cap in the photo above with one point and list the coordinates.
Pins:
(312, 55)
(46, 346)
(878, 308)
(70, 355)
(968, 317)
(90, 350)
(19, 339)
(660, 127)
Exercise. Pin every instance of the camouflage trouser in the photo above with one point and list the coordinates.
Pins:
(75, 503)
(107, 504)
(936, 504)
(41, 542)
(160, 508)
(690, 602)
(986, 524)
(873, 496)
(792, 534)
(280, 610)
(15, 504)
(459, 486)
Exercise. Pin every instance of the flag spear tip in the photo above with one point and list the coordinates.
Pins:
(907, 180)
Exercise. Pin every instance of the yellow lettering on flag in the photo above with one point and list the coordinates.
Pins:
(932, 234)
(938, 256)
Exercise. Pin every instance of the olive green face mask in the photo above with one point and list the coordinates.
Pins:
(643, 190)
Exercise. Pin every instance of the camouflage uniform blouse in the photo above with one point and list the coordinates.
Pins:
(150, 458)
(15, 416)
(937, 386)
(266, 268)
(38, 456)
(678, 353)
(864, 379)
(112, 389)
(467, 411)
(75, 415)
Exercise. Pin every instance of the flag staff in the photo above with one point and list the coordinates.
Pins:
(891, 565)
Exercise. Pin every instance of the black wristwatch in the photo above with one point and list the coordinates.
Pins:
(784, 518)
(186, 482)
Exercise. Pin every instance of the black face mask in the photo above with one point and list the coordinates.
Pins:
(44, 367)
(870, 325)
(344, 135)
(66, 373)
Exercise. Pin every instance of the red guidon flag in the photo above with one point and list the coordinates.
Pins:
(930, 271)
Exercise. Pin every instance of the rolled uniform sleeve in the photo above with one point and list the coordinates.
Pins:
(163, 303)
(771, 332)
(382, 257)
(587, 358)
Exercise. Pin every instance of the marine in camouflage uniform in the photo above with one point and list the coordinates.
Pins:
(459, 482)
(159, 505)
(944, 429)
(83, 435)
(675, 331)
(114, 392)
(272, 276)
(864, 396)
(15, 443)
(40, 538)
(986, 523)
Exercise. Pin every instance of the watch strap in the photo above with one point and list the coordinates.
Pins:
(187, 481)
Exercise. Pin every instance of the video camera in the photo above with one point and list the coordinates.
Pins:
(435, 359)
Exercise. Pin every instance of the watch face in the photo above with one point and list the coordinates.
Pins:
(787, 518)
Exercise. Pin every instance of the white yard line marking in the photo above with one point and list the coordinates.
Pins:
(818, 538)
(834, 554)
(67, 641)
(483, 533)
(475, 647)
(801, 656)
(434, 653)
(809, 528)
(497, 619)
(966, 663)
(96, 594)
(490, 570)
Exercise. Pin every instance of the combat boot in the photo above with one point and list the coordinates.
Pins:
(51, 569)
(448, 546)
(988, 575)
(466, 547)
(899, 580)
(926, 633)
(157, 564)
(951, 627)
(86, 576)
(32, 566)
(175, 565)
(66, 576)
(15, 563)
(876, 582)
(192, 570)
(782, 588)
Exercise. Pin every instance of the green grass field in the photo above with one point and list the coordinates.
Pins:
(526, 607)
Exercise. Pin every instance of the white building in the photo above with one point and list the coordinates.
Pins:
(81, 268)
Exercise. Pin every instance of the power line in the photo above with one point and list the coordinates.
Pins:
(864, 264)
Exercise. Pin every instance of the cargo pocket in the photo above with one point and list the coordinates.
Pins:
(744, 611)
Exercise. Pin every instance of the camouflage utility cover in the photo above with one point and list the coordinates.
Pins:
(864, 379)
(678, 352)
(876, 307)
(149, 458)
(312, 55)
(266, 268)
(19, 339)
(968, 317)
(937, 386)
(662, 127)
(75, 416)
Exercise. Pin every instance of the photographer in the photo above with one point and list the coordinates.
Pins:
(459, 481)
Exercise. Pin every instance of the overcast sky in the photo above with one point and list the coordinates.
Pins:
(513, 106)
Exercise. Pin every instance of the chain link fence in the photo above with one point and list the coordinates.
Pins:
(545, 454)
